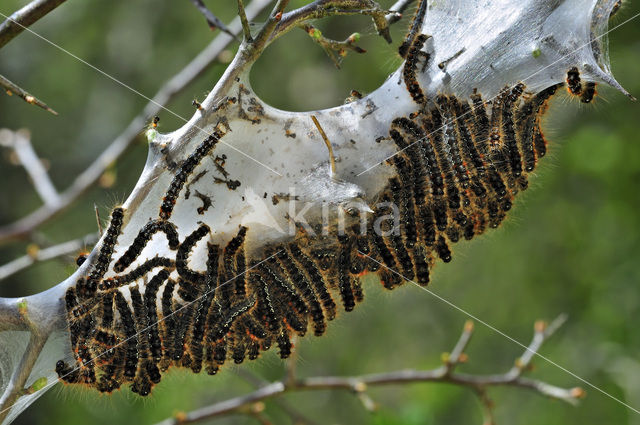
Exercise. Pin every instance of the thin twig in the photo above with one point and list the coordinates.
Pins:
(14, 25)
(226, 407)
(212, 20)
(46, 254)
(246, 29)
(12, 88)
(119, 146)
(359, 384)
(457, 355)
(20, 142)
(399, 7)
(25, 17)
(542, 331)
(256, 381)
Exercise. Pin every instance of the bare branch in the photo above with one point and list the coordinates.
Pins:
(229, 406)
(46, 254)
(359, 384)
(258, 382)
(245, 22)
(14, 25)
(119, 146)
(542, 331)
(212, 20)
(399, 7)
(25, 17)
(12, 88)
(20, 142)
(457, 356)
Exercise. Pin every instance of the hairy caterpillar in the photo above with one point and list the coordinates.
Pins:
(459, 165)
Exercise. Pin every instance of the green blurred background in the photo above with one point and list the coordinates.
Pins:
(571, 244)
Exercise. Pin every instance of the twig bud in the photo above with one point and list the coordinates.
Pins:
(180, 417)
(360, 387)
(257, 407)
(578, 392)
(468, 326)
(33, 250)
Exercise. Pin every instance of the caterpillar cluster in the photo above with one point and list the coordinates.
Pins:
(458, 167)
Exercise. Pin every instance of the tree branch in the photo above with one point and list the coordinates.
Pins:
(27, 16)
(12, 88)
(46, 254)
(212, 20)
(20, 142)
(119, 146)
(14, 25)
(443, 374)
(399, 7)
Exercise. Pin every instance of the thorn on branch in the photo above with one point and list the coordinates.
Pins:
(11, 89)
(336, 50)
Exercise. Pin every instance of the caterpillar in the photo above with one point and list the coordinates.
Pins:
(189, 164)
(586, 91)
